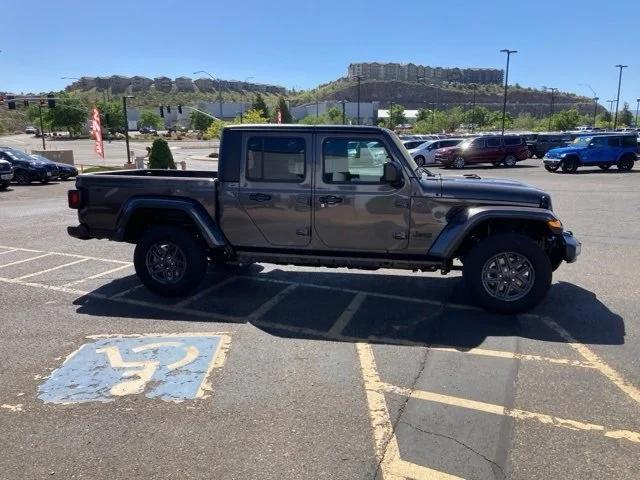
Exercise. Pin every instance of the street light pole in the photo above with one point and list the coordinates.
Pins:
(615, 118)
(44, 147)
(552, 90)
(506, 84)
(219, 88)
(344, 116)
(611, 102)
(126, 125)
(358, 78)
(595, 110)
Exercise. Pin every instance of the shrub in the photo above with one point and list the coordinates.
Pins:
(161, 156)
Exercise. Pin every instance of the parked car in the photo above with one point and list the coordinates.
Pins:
(411, 144)
(65, 171)
(425, 154)
(27, 169)
(298, 195)
(494, 149)
(590, 151)
(547, 141)
(6, 174)
(148, 130)
(31, 130)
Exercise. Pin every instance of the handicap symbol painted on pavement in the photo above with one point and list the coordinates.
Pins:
(171, 367)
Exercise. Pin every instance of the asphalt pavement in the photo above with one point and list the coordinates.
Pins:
(272, 372)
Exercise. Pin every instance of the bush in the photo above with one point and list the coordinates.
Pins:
(161, 156)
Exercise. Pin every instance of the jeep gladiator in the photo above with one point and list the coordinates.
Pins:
(332, 196)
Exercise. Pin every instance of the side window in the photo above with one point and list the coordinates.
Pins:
(512, 140)
(353, 160)
(276, 159)
(613, 141)
(629, 142)
(477, 143)
(493, 142)
(598, 141)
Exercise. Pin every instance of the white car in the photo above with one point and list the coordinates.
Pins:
(411, 144)
(425, 154)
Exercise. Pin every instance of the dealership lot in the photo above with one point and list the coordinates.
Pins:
(288, 372)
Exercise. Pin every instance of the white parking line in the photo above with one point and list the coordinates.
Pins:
(11, 250)
(97, 275)
(205, 292)
(26, 260)
(269, 304)
(51, 269)
(67, 255)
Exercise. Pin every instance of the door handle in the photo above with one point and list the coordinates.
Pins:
(259, 197)
(329, 200)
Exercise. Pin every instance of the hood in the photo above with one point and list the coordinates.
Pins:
(491, 190)
(556, 152)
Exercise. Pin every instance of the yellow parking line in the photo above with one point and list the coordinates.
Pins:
(97, 275)
(51, 269)
(387, 450)
(595, 360)
(220, 356)
(513, 413)
(26, 260)
(269, 304)
(346, 316)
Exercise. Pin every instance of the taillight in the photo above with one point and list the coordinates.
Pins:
(75, 198)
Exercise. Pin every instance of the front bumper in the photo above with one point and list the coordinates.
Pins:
(551, 162)
(571, 247)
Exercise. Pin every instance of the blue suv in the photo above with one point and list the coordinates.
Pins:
(594, 151)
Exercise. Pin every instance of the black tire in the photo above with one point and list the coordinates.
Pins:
(458, 162)
(625, 164)
(44, 180)
(193, 254)
(510, 161)
(481, 256)
(605, 166)
(551, 168)
(420, 161)
(64, 178)
(569, 165)
(22, 178)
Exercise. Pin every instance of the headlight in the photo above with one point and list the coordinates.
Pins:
(563, 155)
(545, 202)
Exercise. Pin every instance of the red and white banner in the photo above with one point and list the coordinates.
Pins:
(279, 116)
(96, 130)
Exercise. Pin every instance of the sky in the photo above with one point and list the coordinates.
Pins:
(561, 43)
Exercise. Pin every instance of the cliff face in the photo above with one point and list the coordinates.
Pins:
(117, 85)
(417, 95)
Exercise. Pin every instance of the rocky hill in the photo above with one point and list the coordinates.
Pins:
(413, 95)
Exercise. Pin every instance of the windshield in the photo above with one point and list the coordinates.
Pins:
(18, 155)
(40, 158)
(582, 140)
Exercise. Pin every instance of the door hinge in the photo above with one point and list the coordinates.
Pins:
(400, 235)
(402, 203)
(303, 232)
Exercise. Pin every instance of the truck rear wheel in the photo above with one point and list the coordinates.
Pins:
(625, 164)
(507, 273)
(169, 261)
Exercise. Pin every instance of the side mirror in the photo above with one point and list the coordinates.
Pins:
(392, 174)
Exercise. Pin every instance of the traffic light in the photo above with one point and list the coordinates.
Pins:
(51, 101)
(168, 108)
(11, 103)
(161, 111)
(180, 109)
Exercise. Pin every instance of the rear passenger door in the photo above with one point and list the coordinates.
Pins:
(275, 186)
(494, 150)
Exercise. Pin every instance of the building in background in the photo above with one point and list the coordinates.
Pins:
(368, 111)
(409, 72)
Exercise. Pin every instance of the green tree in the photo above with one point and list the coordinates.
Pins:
(253, 116)
(69, 114)
(334, 116)
(284, 111)
(161, 156)
(149, 118)
(313, 120)
(260, 105)
(112, 115)
(215, 129)
(625, 117)
(33, 114)
(200, 121)
(524, 121)
(423, 115)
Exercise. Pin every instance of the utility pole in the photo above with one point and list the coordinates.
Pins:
(126, 125)
(473, 109)
(506, 84)
(358, 78)
(615, 118)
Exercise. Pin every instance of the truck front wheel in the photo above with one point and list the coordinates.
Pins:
(169, 261)
(507, 273)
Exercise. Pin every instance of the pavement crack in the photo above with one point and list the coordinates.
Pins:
(442, 435)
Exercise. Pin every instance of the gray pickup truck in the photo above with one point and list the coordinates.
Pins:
(332, 196)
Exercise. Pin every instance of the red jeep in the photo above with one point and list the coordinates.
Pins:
(495, 149)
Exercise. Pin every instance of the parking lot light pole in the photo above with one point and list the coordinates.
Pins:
(473, 109)
(553, 90)
(615, 118)
(595, 110)
(637, 111)
(611, 102)
(126, 125)
(44, 147)
(506, 84)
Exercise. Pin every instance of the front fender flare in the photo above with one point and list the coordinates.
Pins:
(208, 228)
(452, 236)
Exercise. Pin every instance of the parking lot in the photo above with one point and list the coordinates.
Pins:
(273, 372)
